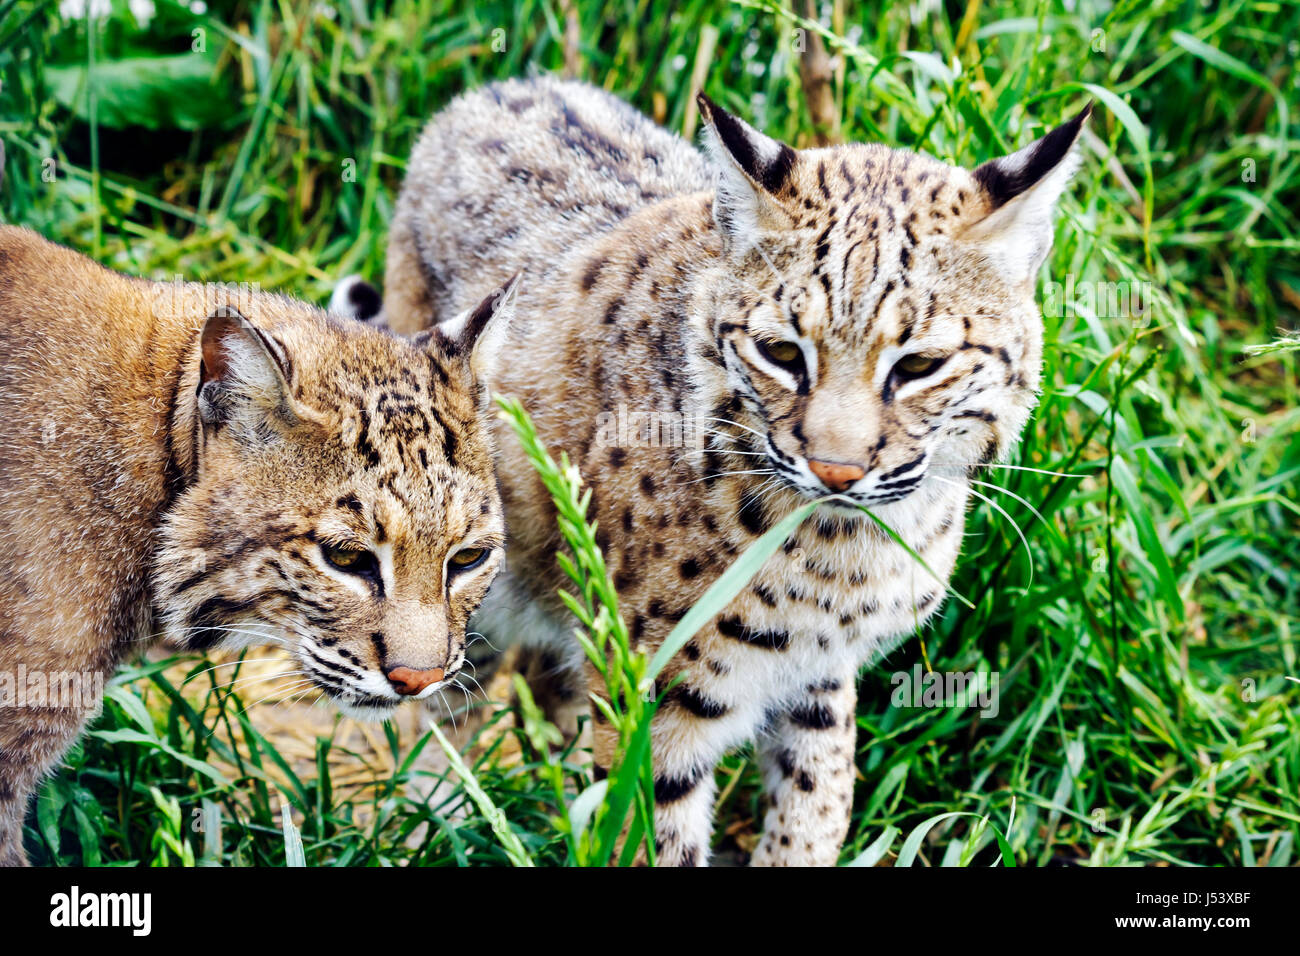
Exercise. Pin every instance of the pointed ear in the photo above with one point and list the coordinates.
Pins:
(1022, 190)
(753, 171)
(244, 372)
(478, 333)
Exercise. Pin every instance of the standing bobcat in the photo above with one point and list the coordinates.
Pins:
(856, 321)
(224, 471)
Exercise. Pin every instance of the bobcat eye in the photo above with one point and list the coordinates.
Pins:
(467, 558)
(917, 366)
(784, 355)
(353, 560)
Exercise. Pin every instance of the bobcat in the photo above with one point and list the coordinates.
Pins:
(226, 472)
(856, 322)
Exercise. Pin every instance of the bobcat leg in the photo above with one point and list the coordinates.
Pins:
(683, 791)
(32, 739)
(807, 762)
(684, 794)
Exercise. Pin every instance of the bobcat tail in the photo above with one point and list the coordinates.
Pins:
(355, 298)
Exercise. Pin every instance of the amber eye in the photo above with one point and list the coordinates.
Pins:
(786, 355)
(353, 560)
(467, 558)
(917, 366)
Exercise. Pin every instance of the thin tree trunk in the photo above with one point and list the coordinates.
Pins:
(816, 76)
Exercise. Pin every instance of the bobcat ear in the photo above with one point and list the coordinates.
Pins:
(752, 169)
(1022, 190)
(478, 333)
(244, 373)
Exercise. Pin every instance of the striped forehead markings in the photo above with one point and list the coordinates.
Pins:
(403, 413)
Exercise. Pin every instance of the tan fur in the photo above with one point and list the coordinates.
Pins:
(142, 493)
(653, 279)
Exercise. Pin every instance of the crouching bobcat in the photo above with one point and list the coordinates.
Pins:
(223, 468)
(855, 321)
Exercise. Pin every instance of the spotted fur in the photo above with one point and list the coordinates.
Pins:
(658, 279)
(176, 461)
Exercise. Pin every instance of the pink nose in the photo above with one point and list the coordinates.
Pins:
(836, 477)
(409, 682)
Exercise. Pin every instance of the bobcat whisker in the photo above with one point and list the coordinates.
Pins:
(1007, 491)
(764, 492)
(324, 678)
(718, 433)
(772, 482)
(476, 683)
(724, 452)
(249, 628)
(710, 430)
(297, 698)
(196, 674)
(1000, 510)
(257, 679)
(737, 447)
(726, 421)
(728, 451)
(464, 690)
(1039, 471)
(480, 637)
(268, 697)
(714, 431)
(297, 676)
(742, 441)
(450, 713)
(728, 474)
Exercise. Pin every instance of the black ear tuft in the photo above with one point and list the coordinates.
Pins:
(477, 321)
(766, 161)
(461, 335)
(1007, 177)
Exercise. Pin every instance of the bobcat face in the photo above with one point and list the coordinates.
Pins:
(877, 317)
(341, 503)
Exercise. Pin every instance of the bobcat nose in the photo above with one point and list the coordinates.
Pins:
(408, 682)
(836, 477)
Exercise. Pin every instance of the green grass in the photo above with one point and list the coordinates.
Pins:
(1144, 712)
